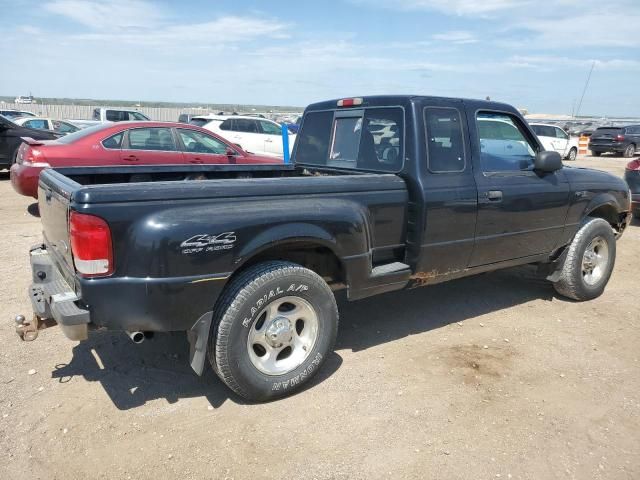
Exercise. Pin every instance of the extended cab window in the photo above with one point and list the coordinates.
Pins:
(504, 145)
(369, 139)
(445, 147)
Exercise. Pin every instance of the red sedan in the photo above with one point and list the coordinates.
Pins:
(125, 143)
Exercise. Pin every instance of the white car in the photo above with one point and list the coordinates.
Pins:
(59, 126)
(252, 134)
(554, 138)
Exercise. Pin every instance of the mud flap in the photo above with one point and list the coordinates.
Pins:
(198, 338)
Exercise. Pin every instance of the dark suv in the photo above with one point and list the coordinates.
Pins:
(621, 140)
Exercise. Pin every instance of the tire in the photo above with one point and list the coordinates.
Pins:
(596, 154)
(629, 151)
(267, 299)
(575, 281)
(573, 154)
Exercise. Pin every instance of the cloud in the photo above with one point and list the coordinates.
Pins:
(108, 14)
(458, 37)
(218, 32)
(451, 7)
(141, 22)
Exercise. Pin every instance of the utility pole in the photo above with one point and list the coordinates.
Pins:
(584, 90)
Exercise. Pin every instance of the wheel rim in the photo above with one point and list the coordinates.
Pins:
(630, 151)
(282, 335)
(595, 261)
(572, 154)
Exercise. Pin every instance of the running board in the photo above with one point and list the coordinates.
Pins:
(389, 268)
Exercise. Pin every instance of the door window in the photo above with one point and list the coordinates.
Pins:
(504, 143)
(197, 142)
(270, 128)
(245, 125)
(560, 133)
(445, 145)
(226, 125)
(151, 139)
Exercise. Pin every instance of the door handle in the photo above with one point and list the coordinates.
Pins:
(131, 158)
(268, 140)
(197, 160)
(494, 195)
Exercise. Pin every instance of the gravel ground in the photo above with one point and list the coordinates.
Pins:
(487, 377)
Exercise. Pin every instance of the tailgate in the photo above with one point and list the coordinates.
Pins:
(603, 136)
(53, 203)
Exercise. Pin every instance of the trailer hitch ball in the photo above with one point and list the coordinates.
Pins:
(19, 319)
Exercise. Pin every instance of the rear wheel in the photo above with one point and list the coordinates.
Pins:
(275, 325)
(629, 151)
(596, 154)
(589, 262)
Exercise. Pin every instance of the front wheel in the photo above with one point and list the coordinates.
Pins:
(589, 262)
(275, 325)
(596, 154)
(573, 154)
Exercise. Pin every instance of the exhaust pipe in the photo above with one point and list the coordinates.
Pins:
(136, 337)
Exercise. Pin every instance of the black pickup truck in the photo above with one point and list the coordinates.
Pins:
(386, 193)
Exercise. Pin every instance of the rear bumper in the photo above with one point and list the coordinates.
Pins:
(119, 303)
(52, 297)
(607, 147)
(24, 179)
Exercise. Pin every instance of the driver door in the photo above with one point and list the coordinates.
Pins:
(521, 212)
(198, 147)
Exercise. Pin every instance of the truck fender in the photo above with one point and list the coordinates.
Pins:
(606, 205)
(280, 234)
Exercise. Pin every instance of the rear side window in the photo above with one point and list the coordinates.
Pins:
(116, 116)
(39, 124)
(370, 139)
(114, 141)
(445, 144)
(226, 125)
(313, 142)
(504, 145)
(151, 139)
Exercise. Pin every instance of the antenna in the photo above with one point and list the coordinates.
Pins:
(584, 90)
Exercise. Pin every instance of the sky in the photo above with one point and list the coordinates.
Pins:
(529, 53)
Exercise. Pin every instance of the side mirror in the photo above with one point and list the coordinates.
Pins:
(231, 152)
(547, 162)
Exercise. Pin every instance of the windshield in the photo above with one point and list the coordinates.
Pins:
(370, 139)
(199, 122)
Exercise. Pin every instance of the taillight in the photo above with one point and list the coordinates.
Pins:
(349, 102)
(31, 156)
(90, 238)
(619, 138)
(633, 165)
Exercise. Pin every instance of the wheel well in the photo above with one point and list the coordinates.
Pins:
(313, 256)
(607, 212)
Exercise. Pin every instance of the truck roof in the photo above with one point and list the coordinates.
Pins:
(388, 100)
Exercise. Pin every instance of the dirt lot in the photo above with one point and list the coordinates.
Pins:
(485, 377)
